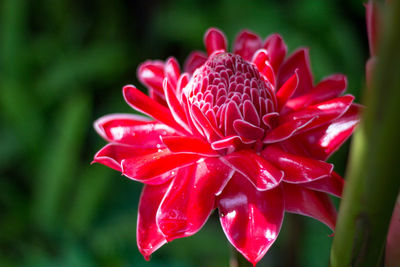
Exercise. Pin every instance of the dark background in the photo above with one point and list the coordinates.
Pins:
(63, 64)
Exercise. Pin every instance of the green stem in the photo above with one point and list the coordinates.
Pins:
(373, 175)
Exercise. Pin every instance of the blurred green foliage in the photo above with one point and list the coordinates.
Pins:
(62, 65)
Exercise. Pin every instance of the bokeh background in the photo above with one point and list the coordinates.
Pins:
(63, 64)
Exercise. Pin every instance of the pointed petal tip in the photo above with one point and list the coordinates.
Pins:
(214, 39)
(97, 125)
(246, 44)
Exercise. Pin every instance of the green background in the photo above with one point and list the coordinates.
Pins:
(63, 64)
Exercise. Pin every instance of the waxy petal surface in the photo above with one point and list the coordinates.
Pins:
(287, 90)
(172, 71)
(260, 172)
(141, 102)
(310, 203)
(276, 49)
(112, 155)
(299, 60)
(194, 60)
(332, 184)
(151, 168)
(132, 130)
(151, 74)
(261, 60)
(328, 88)
(148, 236)
(297, 169)
(190, 199)
(188, 144)
(174, 105)
(246, 44)
(214, 40)
(251, 219)
(286, 130)
(322, 113)
(321, 142)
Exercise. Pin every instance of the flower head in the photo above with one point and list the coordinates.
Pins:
(245, 132)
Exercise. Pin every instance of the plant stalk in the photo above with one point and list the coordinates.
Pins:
(373, 175)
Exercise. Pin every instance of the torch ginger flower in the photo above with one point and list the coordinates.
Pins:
(245, 132)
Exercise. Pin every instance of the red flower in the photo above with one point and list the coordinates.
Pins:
(245, 132)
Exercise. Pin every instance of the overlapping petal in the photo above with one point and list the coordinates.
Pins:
(214, 40)
(276, 49)
(148, 235)
(246, 44)
(299, 60)
(259, 171)
(190, 198)
(251, 219)
(332, 184)
(113, 154)
(194, 60)
(188, 144)
(297, 169)
(132, 130)
(143, 103)
(151, 74)
(157, 167)
(330, 87)
(321, 142)
(310, 203)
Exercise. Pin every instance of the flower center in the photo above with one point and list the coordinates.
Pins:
(232, 94)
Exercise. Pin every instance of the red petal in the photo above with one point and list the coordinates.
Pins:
(194, 60)
(332, 184)
(321, 142)
(193, 126)
(260, 172)
(298, 60)
(286, 130)
(246, 44)
(211, 131)
(328, 88)
(151, 74)
(250, 113)
(287, 90)
(148, 235)
(132, 130)
(323, 112)
(190, 199)
(188, 144)
(157, 97)
(182, 82)
(232, 113)
(297, 169)
(113, 154)
(248, 130)
(310, 203)
(261, 60)
(151, 168)
(232, 141)
(214, 40)
(174, 105)
(251, 219)
(172, 71)
(276, 49)
(141, 102)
